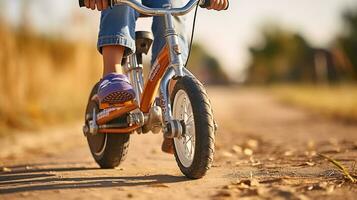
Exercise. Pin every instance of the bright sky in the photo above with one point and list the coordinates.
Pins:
(227, 34)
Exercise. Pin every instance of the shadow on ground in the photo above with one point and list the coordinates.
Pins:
(23, 178)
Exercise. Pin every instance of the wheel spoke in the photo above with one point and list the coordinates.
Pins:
(189, 119)
(189, 138)
(182, 109)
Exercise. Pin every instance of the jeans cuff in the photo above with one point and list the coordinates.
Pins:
(116, 40)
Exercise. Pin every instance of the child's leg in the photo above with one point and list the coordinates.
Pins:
(112, 55)
(116, 39)
(159, 31)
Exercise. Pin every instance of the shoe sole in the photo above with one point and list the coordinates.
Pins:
(118, 97)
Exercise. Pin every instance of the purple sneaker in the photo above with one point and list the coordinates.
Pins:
(114, 89)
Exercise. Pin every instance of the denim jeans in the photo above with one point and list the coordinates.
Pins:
(117, 27)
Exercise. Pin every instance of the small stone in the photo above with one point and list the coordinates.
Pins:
(5, 169)
(311, 144)
(254, 182)
(323, 184)
(254, 162)
(310, 153)
(237, 149)
(288, 153)
(330, 189)
(228, 187)
(252, 143)
(227, 154)
(224, 193)
(248, 152)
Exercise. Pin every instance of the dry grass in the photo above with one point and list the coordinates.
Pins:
(43, 80)
(340, 167)
(338, 101)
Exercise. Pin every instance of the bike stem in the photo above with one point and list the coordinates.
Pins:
(172, 128)
(173, 44)
(175, 71)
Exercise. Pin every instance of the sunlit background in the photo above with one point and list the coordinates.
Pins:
(49, 61)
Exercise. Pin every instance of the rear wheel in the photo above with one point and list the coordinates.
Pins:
(108, 150)
(194, 150)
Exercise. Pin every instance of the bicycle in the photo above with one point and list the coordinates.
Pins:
(183, 113)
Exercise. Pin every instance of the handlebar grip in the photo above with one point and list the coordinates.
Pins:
(81, 3)
(227, 5)
(207, 3)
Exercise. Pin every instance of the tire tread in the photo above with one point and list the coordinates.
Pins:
(204, 125)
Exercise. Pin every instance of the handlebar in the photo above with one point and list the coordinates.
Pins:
(157, 11)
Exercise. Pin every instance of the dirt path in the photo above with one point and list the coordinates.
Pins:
(265, 150)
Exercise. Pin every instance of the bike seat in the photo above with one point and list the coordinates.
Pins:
(143, 41)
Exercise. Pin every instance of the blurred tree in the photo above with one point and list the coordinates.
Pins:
(284, 56)
(346, 51)
(281, 56)
(206, 67)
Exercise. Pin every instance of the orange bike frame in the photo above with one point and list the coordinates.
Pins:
(152, 84)
(167, 66)
(148, 95)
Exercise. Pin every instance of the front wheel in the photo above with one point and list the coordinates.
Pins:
(194, 150)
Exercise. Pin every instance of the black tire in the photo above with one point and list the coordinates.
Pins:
(108, 150)
(204, 127)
